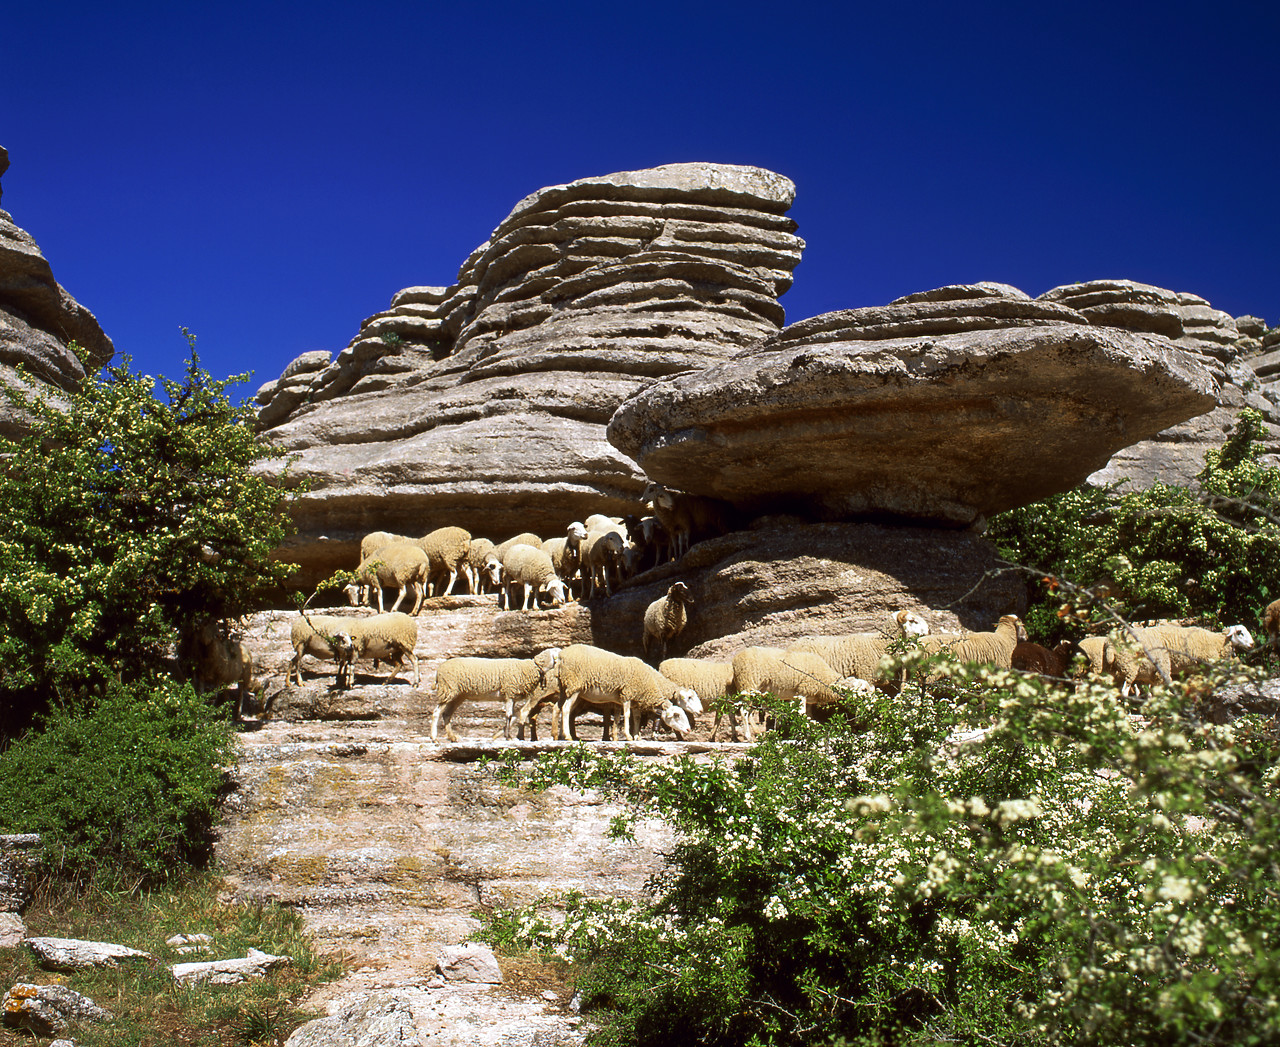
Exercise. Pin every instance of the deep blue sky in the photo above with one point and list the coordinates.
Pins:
(269, 174)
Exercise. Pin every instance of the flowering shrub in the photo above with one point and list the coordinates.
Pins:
(996, 860)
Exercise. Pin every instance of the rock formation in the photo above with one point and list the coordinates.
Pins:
(484, 404)
(944, 406)
(39, 320)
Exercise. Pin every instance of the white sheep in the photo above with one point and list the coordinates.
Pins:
(512, 681)
(446, 549)
(603, 554)
(993, 648)
(216, 659)
(526, 538)
(375, 540)
(802, 675)
(709, 680)
(321, 636)
(532, 570)
(566, 553)
(858, 655)
(666, 617)
(598, 677)
(1101, 653)
(648, 537)
(476, 566)
(1167, 649)
(389, 637)
(401, 565)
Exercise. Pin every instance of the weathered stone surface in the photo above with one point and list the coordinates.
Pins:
(484, 404)
(12, 930)
(469, 962)
(70, 954)
(47, 1010)
(19, 866)
(943, 411)
(254, 965)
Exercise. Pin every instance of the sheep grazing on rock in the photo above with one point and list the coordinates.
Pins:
(992, 648)
(532, 570)
(401, 565)
(447, 549)
(665, 618)
(687, 518)
(215, 659)
(476, 568)
(598, 677)
(1032, 658)
(321, 636)
(1159, 651)
(389, 637)
(858, 655)
(512, 681)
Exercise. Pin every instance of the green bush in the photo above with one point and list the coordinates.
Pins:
(1212, 552)
(1060, 877)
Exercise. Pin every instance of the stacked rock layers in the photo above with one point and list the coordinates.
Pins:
(485, 404)
(39, 320)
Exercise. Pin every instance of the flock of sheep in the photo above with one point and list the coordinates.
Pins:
(599, 554)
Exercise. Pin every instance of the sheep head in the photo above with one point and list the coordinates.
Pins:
(556, 590)
(1238, 636)
(687, 699)
(676, 721)
(911, 624)
(679, 592)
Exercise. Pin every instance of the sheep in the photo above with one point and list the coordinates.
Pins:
(476, 567)
(216, 659)
(511, 681)
(401, 564)
(566, 553)
(1031, 657)
(526, 538)
(1271, 620)
(709, 680)
(995, 647)
(784, 674)
(665, 618)
(375, 540)
(532, 569)
(446, 549)
(602, 552)
(599, 677)
(648, 536)
(1167, 649)
(321, 636)
(1100, 652)
(858, 655)
(382, 637)
(686, 516)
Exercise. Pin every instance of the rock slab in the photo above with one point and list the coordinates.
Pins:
(72, 954)
(47, 1010)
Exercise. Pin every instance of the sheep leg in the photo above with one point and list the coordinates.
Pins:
(453, 577)
(565, 729)
(528, 592)
(404, 591)
(626, 720)
(421, 591)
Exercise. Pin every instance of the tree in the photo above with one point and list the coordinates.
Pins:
(128, 518)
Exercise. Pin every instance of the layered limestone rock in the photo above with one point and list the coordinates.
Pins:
(944, 407)
(484, 404)
(38, 321)
(1176, 454)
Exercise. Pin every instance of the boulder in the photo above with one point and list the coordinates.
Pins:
(469, 962)
(942, 408)
(484, 404)
(70, 954)
(47, 1010)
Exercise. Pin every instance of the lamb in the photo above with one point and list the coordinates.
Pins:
(400, 564)
(447, 549)
(532, 569)
(994, 648)
(476, 568)
(382, 637)
(1031, 657)
(599, 677)
(511, 681)
(1172, 648)
(321, 636)
(687, 518)
(665, 618)
(858, 655)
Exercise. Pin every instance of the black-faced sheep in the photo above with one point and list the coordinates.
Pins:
(666, 617)
(512, 681)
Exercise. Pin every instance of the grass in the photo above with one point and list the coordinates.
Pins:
(149, 1008)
